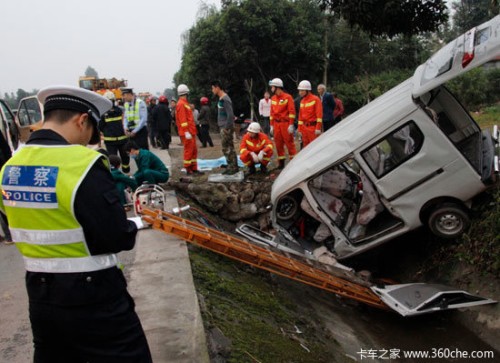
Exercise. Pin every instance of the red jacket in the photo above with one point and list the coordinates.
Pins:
(339, 108)
(184, 118)
(311, 112)
(261, 142)
(282, 109)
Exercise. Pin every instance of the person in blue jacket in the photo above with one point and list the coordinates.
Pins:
(328, 107)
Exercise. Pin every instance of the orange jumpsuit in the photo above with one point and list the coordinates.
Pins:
(185, 123)
(250, 144)
(310, 118)
(282, 116)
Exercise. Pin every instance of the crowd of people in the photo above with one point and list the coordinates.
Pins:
(281, 118)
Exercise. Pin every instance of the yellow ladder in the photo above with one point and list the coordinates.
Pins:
(276, 262)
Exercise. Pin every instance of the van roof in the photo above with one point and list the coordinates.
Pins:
(350, 134)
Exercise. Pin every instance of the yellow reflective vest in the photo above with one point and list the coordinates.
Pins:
(132, 113)
(39, 185)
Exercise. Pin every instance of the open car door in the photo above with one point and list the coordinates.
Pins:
(421, 298)
(470, 50)
(29, 117)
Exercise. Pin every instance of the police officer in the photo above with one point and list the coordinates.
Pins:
(136, 117)
(111, 126)
(66, 220)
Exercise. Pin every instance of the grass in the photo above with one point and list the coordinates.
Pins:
(256, 314)
(488, 117)
(478, 250)
(480, 246)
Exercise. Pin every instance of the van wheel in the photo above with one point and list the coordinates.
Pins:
(286, 208)
(448, 220)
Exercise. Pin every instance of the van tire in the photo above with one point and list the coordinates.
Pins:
(448, 220)
(287, 208)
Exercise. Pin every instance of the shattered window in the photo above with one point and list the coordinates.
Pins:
(394, 149)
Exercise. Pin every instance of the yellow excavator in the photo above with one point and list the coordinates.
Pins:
(102, 85)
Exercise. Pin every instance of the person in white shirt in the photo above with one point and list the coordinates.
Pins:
(265, 112)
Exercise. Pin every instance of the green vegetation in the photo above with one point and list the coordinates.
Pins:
(477, 88)
(488, 117)
(391, 18)
(357, 94)
(256, 314)
(480, 247)
(475, 257)
(247, 43)
(359, 49)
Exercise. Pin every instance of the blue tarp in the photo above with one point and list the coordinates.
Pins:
(209, 164)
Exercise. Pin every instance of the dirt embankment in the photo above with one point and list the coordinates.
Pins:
(253, 316)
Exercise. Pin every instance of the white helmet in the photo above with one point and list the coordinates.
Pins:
(304, 86)
(254, 127)
(276, 82)
(182, 90)
(109, 95)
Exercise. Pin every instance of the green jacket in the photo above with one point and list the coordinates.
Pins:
(118, 176)
(147, 160)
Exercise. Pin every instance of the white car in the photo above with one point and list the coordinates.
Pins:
(412, 157)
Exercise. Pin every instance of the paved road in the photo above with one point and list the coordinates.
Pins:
(160, 280)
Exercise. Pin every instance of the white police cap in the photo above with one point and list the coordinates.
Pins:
(75, 99)
(126, 90)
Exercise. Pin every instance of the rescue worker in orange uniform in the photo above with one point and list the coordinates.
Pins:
(187, 130)
(255, 148)
(310, 114)
(282, 118)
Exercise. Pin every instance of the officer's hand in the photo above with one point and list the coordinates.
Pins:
(188, 136)
(226, 131)
(317, 132)
(271, 131)
(299, 134)
(132, 134)
(261, 155)
(291, 129)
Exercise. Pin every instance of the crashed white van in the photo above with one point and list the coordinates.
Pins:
(412, 157)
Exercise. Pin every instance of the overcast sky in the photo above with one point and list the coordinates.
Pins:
(47, 42)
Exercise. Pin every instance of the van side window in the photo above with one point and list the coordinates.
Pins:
(394, 149)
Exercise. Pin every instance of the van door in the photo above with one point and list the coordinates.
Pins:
(403, 159)
(470, 50)
(9, 125)
(419, 298)
(415, 162)
(29, 117)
